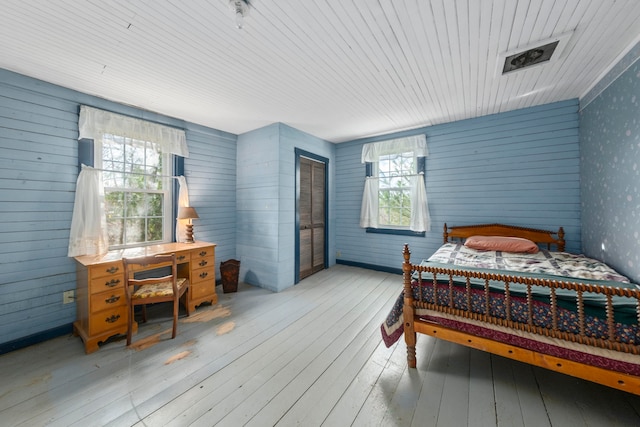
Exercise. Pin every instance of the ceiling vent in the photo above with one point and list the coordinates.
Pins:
(540, 53)
(529, 57)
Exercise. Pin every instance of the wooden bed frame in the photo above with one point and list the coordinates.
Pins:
(414, 324)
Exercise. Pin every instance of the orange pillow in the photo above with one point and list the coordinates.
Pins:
(499, 243)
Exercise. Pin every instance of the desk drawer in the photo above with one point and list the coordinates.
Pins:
(198, 263)
(202, 289)
(108, 300)
(202, 274)
(108, 319)
(107, 269)
(109, 283)
(182, 257)
(198, 254)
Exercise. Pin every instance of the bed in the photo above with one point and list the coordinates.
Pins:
(541, 305)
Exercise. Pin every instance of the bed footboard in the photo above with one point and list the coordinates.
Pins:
(436, 316)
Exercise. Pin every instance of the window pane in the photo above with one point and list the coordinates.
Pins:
(114, 204)
(154, 229)
(395, 216)
(395, 182)
(153, 155)
(395, 172)
(134, 231)
(154, 177)
(135, 205)
(384, 181)
(134, 180)
(154, 204)
(134, 154)
(113, 179)
(115, 228)
(112, 151)
(406, 199)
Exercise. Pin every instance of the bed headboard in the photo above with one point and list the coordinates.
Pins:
(535, 235)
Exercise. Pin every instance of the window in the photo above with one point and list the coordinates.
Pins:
(394, 199)
(137, 190)
(129, 201)
(395, 173)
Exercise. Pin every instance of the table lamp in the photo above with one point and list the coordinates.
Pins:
(189, 213)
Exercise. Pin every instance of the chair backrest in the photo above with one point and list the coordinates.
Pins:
(149, 263)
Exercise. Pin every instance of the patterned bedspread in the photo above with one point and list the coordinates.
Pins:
(543, 262)
(546, 264)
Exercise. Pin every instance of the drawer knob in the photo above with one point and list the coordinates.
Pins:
(181, 257)
(203, 263)
(113, 269)
(114, 318)
(203, 274)
(113, 282)
(203, 253)
(112, 299)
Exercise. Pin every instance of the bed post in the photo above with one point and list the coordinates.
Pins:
(561, 241)
(407, 310)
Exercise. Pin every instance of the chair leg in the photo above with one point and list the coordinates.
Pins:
(144, 313)
(176, 305)
(130, 326)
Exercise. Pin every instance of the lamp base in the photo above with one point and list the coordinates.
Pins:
(189, 234)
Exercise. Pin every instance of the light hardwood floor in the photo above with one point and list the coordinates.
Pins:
(311, 355)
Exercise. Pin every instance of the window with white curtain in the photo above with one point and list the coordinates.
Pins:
(394, 198)
(135, 158)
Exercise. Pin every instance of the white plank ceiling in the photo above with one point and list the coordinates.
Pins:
(337, 69)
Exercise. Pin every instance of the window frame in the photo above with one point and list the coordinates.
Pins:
(370, 169)
(89, 152)
(167, 192)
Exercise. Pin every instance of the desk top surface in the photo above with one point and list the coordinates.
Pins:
(118, 254)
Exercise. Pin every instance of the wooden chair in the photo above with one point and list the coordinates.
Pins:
(158, 287)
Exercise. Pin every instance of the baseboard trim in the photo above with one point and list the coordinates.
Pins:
(36, 338)
(370, 266)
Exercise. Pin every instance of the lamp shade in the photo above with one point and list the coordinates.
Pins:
(187, 212)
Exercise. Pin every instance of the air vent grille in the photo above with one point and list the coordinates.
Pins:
(529, 57)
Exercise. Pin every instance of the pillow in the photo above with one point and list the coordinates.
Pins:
(504, 244)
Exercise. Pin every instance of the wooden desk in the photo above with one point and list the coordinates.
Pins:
(100, 299)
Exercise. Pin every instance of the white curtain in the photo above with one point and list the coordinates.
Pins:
(420, 218)
(369, 208)
(93, 123)
(183, 200)
(417, 143)
(88, 225)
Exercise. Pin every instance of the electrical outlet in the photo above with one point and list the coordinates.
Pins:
(68, 297)
(338, 253)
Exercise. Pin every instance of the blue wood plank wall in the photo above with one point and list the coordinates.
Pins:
(266, 202)
(520, 167)
(211, 178)
(38, 158)
(257, 196)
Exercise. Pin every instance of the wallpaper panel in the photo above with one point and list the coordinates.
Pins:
(610, 174)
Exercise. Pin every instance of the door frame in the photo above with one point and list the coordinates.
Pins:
(302, 153)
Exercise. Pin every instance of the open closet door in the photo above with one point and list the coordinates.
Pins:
(312, 214)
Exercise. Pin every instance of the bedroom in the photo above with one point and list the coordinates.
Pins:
(570, 179)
